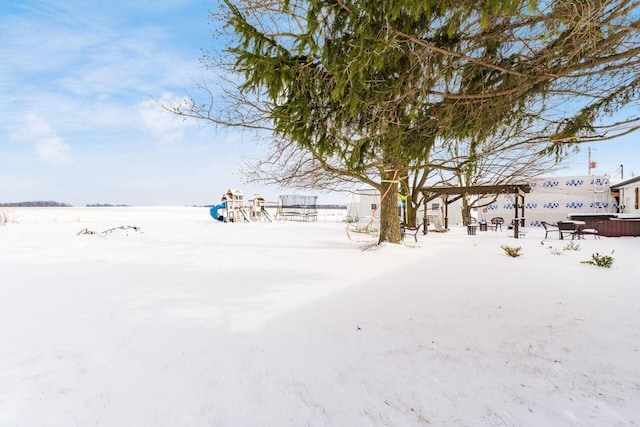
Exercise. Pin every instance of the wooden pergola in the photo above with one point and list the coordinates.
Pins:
(430, 193)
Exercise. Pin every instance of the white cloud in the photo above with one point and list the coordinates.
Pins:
(164, 126)
(52, 150)
(48, 145)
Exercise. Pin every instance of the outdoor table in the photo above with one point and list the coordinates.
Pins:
(575, 231)
(579, 226)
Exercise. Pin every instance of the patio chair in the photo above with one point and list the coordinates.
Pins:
(548, 227)
(496, 223)
(592, 231)
(410, 230)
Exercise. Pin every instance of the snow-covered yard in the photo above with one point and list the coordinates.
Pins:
(190, 322)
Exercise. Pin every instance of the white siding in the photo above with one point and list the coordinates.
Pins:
(553, 199)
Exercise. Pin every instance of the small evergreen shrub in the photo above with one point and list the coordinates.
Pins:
(512, 251)
(572, 246)
(600, 260)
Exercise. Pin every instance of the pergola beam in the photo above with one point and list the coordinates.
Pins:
(479, 189)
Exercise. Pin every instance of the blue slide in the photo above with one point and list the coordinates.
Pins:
(214, 211)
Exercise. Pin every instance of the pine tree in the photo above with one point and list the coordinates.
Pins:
(374, 84)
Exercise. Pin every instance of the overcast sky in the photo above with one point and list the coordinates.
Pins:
(78, 123)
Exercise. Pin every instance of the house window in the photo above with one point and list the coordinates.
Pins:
(637, 188)
(435, 206)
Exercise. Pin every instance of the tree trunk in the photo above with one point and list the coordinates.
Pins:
(466, 211)
(389, 218)
(412, 211)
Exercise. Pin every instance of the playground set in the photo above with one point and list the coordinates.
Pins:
(291, 208)
(232, 208)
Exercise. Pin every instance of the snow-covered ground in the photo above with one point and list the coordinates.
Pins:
(190, 322)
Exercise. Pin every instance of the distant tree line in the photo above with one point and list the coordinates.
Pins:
(36, 204)
(105, 205)
(331, 206)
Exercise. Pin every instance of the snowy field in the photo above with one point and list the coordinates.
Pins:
(190, 322)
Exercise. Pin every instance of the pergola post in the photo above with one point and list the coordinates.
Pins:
(425, 217)
(519, 208)
(516, 222)
(446, 212)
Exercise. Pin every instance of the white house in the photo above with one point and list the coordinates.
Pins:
(628, 196)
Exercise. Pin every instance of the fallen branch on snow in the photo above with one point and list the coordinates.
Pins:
(110, 230)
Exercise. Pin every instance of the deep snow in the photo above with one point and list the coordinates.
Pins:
(191, 322)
